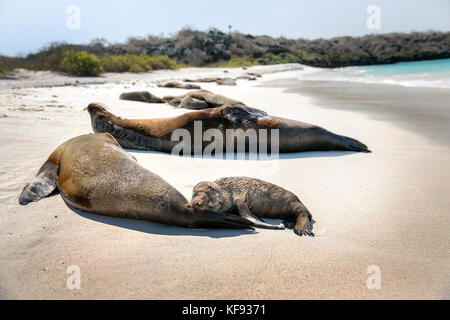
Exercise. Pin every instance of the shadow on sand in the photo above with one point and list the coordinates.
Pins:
(246, 156)
(161, 229)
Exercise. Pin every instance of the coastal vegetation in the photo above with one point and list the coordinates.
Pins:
(135, 63)
(80, 63)
(191, 47)
(83, 63)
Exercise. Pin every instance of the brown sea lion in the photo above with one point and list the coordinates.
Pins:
(201, 80)
(201, 99)
(94, 174)
(246, 77)
(178, 85)
(219, 81)
(226, 82)
(143, 96)
(253, 198)
(156, 134)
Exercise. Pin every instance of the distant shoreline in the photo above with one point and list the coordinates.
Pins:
(215, 48)
(423, 110)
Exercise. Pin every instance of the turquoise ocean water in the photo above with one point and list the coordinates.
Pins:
(430, 73)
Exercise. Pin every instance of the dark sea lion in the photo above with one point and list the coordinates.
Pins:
(253, 198)
(156, 134)
(178, 85)
(143, 96)
(94, 174)
(201, 99)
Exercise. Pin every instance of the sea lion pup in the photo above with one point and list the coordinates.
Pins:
(253, 198)
(94, 174)
(156, 134)
(197, 100)
(143, 96)
(178, 85)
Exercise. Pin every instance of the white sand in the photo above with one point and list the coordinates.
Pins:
(389, 208)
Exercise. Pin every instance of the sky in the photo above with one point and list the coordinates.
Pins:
(26, 25)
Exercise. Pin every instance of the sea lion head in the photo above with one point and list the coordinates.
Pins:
(95, 108)
(207, 196)
(238, 113)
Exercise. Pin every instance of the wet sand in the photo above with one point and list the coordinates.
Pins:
(419, 109)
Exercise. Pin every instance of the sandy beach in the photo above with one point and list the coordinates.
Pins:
(389, 208)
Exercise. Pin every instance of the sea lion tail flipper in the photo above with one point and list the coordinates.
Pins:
(302, 225)
(42, 185)
(353, 144)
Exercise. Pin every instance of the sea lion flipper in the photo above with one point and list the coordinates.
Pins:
(42, 185)
(303, 226)
(355, 145)
(245, 212)
(223, 220)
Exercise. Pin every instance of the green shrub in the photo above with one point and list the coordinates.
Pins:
(307, 58)
(271, 58)
(235, 62)
(80, 63)
(161, 62)
(7, 65)
(135, 63)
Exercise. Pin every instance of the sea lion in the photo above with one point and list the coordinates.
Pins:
(156, 134)
(198, 100)
(178, 85)
(253, 198)
(246, 77)
(201, 80)
(220, 81)
(94, 174)
(143, 96)
(226, 82)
